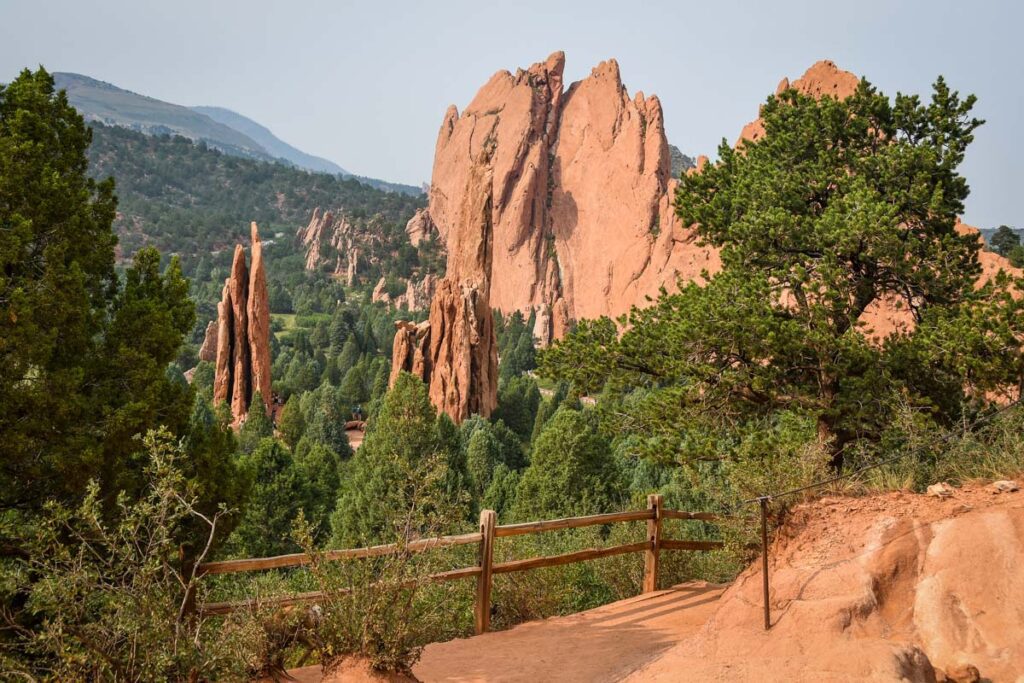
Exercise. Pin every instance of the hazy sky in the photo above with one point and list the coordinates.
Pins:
(366, 84)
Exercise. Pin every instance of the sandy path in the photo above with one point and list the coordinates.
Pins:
(604, 644)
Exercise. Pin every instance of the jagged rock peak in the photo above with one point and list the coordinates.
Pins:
(243, 334)
(258, 310)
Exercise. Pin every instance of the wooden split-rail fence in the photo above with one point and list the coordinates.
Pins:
(486, 568)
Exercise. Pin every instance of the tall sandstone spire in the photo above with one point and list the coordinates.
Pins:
(258, 310)
(243, 334)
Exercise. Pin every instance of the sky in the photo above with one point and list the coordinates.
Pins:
(366, 84)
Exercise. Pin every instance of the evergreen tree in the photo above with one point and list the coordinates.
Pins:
(402, 463)
(291, 424)
(275, 495)
(501, 494)
(319, 470)
(325, 420)
(1004, 240)
(257, 426)
(842, 206)
(518, 400)
(572, 471)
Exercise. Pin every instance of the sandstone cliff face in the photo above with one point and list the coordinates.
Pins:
(560, 199)
(558, 202)
(455, 351)
(243, 334)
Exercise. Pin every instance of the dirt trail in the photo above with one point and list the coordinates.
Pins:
(889, 587)
(603, 644)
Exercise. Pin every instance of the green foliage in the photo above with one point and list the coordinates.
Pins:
(257, 426)
(402, 453)
(319, 469)
(180, 196)
(518, 400)
(84, 355)
(515, 345)
(842, 206)
(1004, 240)
(291, 423)
(276, 493)
(325, 419)
(107, 601)
(571, 472)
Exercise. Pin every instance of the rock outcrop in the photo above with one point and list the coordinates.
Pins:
(890, 587)
(258, 309)
(579, 183)
(243, 334)
(558, 202)
(208, 350)
(327, 238)
(568, 189)
(380, 294)
(420, 227)
(416, 297)
(455, 351)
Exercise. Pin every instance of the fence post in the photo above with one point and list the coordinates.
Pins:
(763, 500)
(654, 501)
(488, 520)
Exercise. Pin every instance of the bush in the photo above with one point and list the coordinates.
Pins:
(110, 601)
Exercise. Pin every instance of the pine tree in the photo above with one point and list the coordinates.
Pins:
(842, 207)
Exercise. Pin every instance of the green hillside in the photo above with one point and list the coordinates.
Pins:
(187, 198)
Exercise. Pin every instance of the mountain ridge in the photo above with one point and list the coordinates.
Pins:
(270, 142)
(228, 131)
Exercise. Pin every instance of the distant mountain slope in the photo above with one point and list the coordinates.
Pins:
(227, 131)
(270, 142)
(108, 104)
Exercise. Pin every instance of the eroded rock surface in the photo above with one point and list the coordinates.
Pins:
(258, 310)
(897, 586)
(420, 227)
(558, 201)
(243, 334)
(208, 351)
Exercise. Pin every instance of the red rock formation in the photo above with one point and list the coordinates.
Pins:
(418, 295)
(420, 227)
(409, 351)
(208, 351)
(258, 310)
(238, 284)
(455, 351)
(565, 244)
(823, 78)
(325, 232)
(559, 203)
(379, 294)
(243, 335)
(222, 372)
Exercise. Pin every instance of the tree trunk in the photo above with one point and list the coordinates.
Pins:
(829, 441)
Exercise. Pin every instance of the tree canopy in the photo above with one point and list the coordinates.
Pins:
(843, 209)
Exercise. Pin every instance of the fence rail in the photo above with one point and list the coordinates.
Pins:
(486, 568)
